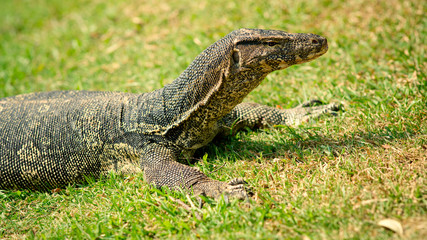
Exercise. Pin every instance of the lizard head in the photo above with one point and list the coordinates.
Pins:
(224, 73)
(271, 50)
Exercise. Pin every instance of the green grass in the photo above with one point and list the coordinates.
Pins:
(335, 178)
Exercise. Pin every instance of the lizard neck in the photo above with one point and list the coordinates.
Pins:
(197, 85)
(211, 84)
(205, 92)
(171, 109)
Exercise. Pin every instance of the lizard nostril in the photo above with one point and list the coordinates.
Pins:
(314, 41)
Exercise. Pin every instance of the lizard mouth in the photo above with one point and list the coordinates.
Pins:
(324, 48)
(318, 51)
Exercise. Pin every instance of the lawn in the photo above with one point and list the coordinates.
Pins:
(334, 178)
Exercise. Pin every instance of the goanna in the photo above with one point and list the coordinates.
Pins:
(53, 139)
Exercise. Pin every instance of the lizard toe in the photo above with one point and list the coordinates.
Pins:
(237, 181)
(337, 107)
(311, 103)
(238, 189)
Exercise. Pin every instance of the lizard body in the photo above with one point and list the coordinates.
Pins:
(49, 140)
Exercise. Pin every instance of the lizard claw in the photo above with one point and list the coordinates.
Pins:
(237, 188)
(237, 181)
(310, 110)
(337, 107)
(310, 103)
(315, 102)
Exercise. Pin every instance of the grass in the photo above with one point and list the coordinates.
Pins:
(335, 178)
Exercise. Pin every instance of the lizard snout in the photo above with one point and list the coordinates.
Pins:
(320, 41)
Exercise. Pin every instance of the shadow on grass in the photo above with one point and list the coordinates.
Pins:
(294, 144)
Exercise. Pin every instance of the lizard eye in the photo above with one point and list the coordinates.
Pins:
(271, 44)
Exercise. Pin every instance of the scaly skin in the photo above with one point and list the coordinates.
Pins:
(50, 140)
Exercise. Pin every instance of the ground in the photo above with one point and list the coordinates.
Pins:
(335, 178)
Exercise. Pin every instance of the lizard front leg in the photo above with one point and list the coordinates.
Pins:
(253, 115)
(161, 169)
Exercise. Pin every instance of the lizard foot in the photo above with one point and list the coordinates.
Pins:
(312, 109)
(238, 188)
(235, 189)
